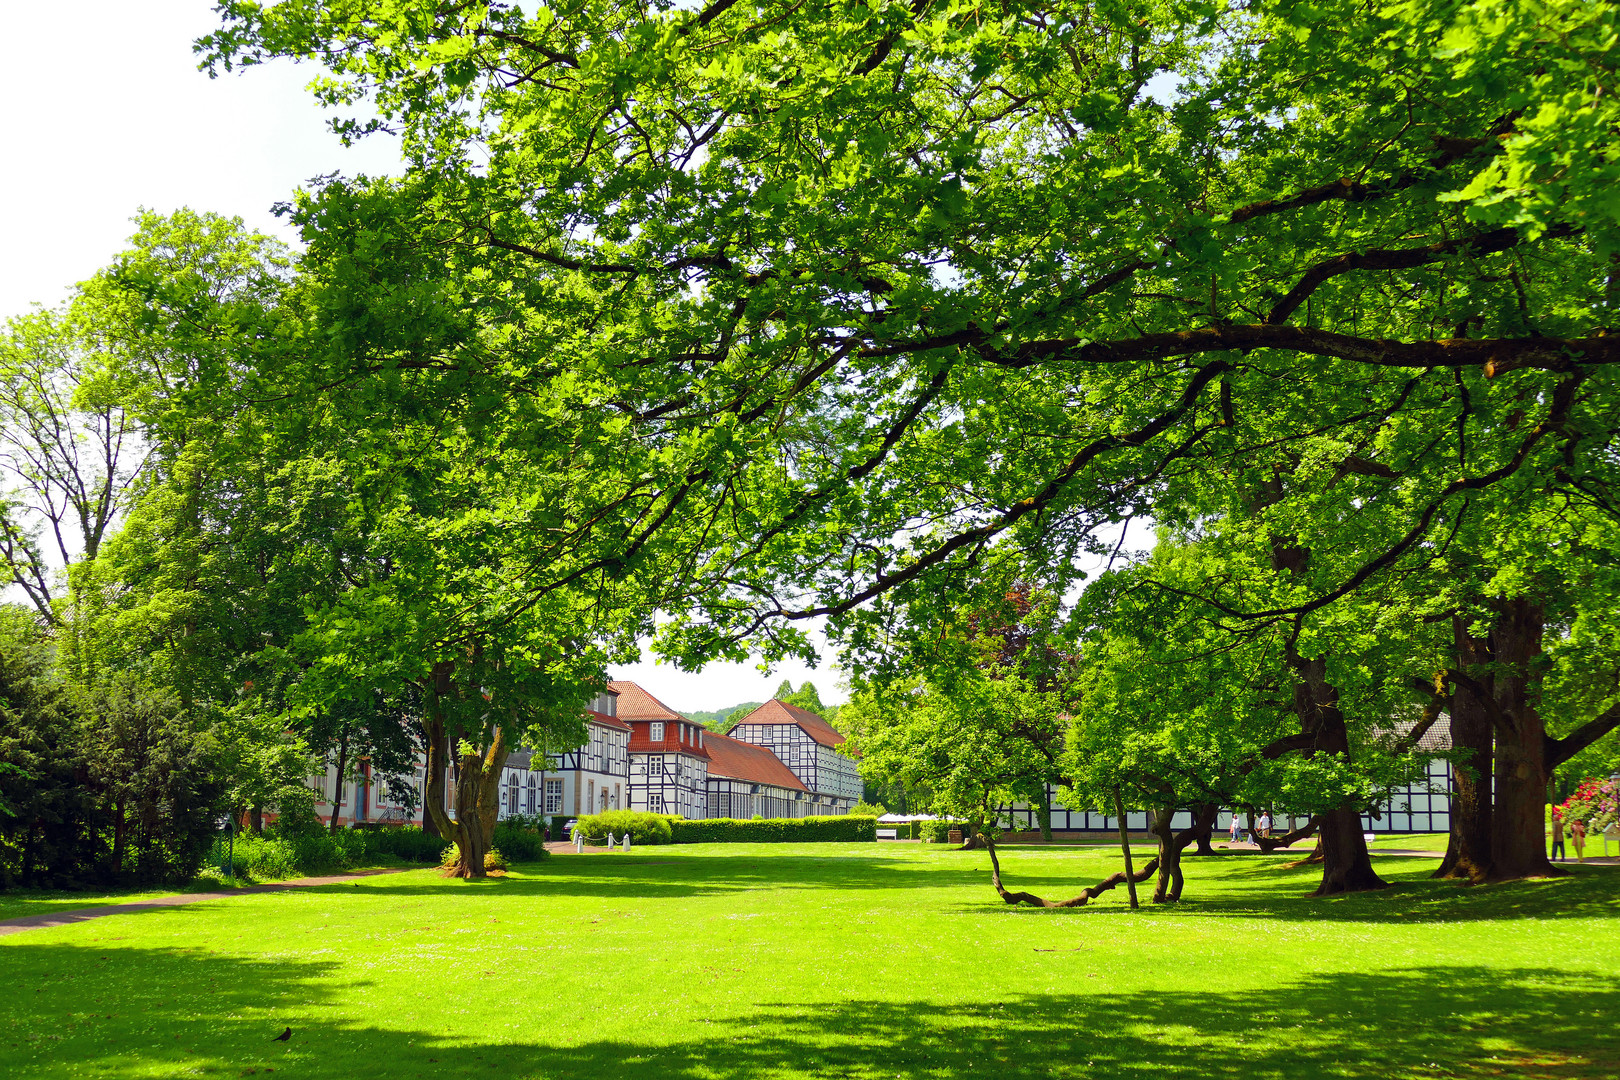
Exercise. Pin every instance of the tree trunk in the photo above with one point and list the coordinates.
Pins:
(1346, 864)
(337, 796)
(1168, 888)
(1125, 848)
(433, 750)
(1468, 851)
(120, 837)
(1203, 828)
(1518, 838)
(477, 805)
(256, 818)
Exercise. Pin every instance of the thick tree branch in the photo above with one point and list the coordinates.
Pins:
(1561, 750)
(1017, 512)
(1087, 894)
(1391, 259)
(1272, 843)
(1346, 190)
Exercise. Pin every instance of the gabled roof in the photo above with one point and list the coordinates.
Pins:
(779, 712)
(737, 760)
(604, 720)
(636, 704)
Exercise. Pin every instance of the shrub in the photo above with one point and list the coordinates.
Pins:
(643, 828)
(937, 832)
(272, 855)
(559, 827)
(520, 842)
(847, 828)
(408, 842)
(493, 859)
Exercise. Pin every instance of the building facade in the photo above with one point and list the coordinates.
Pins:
(808, 746)
(669, 761)
(588, 779)
(747, 780)
(592, 777)
(1421, 806)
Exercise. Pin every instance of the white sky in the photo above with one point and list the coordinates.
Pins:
(124, 120)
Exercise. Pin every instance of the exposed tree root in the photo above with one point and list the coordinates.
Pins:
(1086, 895)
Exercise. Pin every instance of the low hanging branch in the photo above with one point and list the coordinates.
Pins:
(1086, 895)
(1272, 843)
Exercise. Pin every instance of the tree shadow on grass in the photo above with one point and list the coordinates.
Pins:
(655, 877)
(75, 1010)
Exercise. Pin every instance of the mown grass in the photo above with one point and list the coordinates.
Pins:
(837, 960)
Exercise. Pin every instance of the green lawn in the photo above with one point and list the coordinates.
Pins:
(1435, 841)
(854, 961)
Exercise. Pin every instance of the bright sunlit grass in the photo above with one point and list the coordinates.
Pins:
(835, 960)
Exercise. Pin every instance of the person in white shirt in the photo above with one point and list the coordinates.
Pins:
(1265, 825)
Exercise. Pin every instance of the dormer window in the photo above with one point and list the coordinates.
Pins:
(655, 731)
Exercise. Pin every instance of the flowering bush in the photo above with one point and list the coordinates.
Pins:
(1596, 802)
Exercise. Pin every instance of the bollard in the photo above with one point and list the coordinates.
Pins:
(579, 842)
(612, 843)
(627, 844)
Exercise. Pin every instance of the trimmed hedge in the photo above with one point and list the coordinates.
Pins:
(643, 828)
(848, 828)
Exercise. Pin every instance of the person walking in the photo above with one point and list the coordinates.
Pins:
(1577, 836)
(1558, 838)
(1235, 829)
(1265, 824)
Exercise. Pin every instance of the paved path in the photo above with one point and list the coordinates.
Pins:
(78, 915)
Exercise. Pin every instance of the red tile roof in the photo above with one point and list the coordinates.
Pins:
(605, 720)
(738, 760)
(636, 704)
(778, 712)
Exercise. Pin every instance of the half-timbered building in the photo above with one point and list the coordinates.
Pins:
(669, 762)
(1421, 805)
(590, 778)
(747, 780)
(808, 746)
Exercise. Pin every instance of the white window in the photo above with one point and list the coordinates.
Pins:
(512, 796)
(553, 796)
(655, 765)
(655, 803)
(655, 731)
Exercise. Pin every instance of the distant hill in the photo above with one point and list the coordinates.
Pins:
(720, 719)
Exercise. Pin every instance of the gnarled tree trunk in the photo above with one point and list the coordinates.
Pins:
(1468, 850)
(1168, 888)
(1518, 838)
